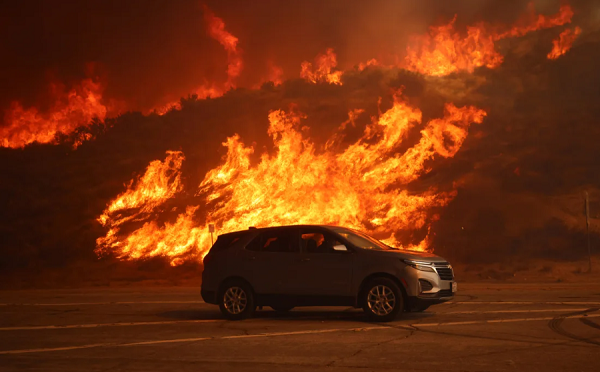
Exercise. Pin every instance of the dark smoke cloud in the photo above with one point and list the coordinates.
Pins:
(150, 52)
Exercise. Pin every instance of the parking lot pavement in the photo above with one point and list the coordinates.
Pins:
(488, 327)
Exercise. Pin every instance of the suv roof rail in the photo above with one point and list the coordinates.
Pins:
(252, 228)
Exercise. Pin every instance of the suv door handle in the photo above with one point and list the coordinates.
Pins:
(252, 258)
(304, 259)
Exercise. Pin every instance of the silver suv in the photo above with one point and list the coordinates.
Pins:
(307, 265)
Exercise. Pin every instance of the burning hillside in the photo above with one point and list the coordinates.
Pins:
(443, 50)
(437, 143)
(70, 110)
(361, 185)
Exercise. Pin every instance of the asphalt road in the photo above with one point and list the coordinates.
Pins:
(487, 328)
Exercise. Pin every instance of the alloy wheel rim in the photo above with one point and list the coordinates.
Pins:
(235, 300)
(381, 300)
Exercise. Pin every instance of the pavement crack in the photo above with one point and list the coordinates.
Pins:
(224, 326)
(245, 331)
(479, 336)
(367, 347)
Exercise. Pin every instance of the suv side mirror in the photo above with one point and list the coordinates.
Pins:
(340, 248)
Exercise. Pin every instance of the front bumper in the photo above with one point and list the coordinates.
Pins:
(429, 287)
(414, 301)
(430, 297)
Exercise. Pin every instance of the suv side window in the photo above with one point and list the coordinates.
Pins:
(279, 241)
(317, 241)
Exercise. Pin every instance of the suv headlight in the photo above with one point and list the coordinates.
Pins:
(420, 265)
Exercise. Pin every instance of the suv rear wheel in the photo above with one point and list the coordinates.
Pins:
(382, 300)
(236, 300)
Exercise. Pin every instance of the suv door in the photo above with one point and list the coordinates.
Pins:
(323, 270)
(270, 261)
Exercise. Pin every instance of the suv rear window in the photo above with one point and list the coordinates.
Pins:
(226, 241)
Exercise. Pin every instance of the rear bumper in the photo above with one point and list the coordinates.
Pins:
(210, 297)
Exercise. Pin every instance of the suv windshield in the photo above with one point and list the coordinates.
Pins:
(362, 240)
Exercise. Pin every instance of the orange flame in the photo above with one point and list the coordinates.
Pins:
(444, 50)
(215, 27)
(202, 92)
(322, 72)
(361, 186)
(363, 65)
(216, 30)
(533, 22)
(69, 111)
(160, 183)
(564, 42)
(275, 74)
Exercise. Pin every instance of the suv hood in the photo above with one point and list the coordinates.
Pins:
(413, 255)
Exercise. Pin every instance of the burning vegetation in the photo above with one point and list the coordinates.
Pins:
(215, 28)
(444, 50)
(70, 109)
(564, 42)
(361, 185)
(394, 146)
(322, 70)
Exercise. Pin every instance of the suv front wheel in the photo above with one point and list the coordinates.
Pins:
(382, 300)
(236, 300)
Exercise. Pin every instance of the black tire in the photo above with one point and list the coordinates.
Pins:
(389, 293)
(282, 309)
(419, 308)
(236, 300)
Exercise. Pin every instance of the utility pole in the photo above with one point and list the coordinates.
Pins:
(587, 228)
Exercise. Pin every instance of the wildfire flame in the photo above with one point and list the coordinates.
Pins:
(322, 72)
(444, 50)
(215, 28)
(70, 110)
(161, 182)
(363, 65)
(531, 21)
(564, 42)
(360, 186)
(275, 74)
